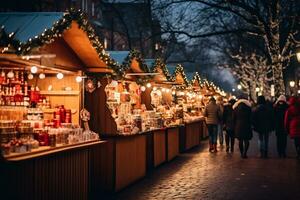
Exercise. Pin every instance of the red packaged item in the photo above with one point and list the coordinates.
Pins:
(62, 113)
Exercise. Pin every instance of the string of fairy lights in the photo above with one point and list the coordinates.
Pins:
(12, 44)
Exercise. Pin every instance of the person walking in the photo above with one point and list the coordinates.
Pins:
(280, 107)
(220, 103)
(229, 125)
(263, 124)
(212, 113)
(242, 124)
(292, 122)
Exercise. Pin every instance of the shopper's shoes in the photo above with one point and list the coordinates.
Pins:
(227, 149)
(215, 148)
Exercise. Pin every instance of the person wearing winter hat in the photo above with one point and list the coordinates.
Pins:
(280, 107)
(242, 124)
(292, 122)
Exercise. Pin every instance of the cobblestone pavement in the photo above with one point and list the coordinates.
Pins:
(199, 174)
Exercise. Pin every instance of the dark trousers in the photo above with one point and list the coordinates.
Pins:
(244, 146)
(263, 139)
(281, 143)
(229, 139)
(213, 133)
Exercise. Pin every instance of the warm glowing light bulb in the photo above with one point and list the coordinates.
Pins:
(33, 69)
(167, 90)
(143, 88)
(60, 76)
(30, 76)
(42, 76)
(154, 88)
(163, 89)
(173, 92)
(148, 85)
(10, 74)
(78, 79)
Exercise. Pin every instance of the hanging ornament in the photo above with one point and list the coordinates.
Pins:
(90, 86)
(10, 74)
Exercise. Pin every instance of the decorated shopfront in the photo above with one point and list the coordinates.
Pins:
(43, 130)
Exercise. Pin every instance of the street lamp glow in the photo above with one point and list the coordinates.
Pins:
(292, 84)
(233, 90)
(298, 54)
(257, 89)
(239, 87)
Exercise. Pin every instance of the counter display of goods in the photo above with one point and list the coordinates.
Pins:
(192, 103)
(162, 100)
(124, 102)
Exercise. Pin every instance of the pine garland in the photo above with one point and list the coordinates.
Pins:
(179, 70)
(49, 35)
(197, 78)
(159, 64)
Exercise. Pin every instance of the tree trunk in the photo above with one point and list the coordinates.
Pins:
(278, 79)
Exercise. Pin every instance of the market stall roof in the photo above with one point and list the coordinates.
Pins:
(171, 68)
(29, 33)
(179, 76)
(160, 67)
(196, 80)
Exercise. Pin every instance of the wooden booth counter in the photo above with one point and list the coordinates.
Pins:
(124, 161)
(156, 148)
(60, 173)
(191, 134)
(172, 142)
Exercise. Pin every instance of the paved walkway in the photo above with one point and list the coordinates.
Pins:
(199, 174)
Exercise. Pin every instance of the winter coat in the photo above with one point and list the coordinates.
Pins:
(212, 113)
(292, 118)
(263, 119)
(279, 111)
(228, 117)
(242, 119)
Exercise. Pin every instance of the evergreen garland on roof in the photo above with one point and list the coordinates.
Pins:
(159, 64)
(179, 70)
(197, 78)
(49, 36)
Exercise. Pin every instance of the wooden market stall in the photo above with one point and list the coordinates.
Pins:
(121, 119)
(43, 58)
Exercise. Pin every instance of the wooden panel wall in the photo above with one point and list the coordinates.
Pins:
(172, 143)
(63, 175)
(130, 160)
(159, 145)
(192, 135)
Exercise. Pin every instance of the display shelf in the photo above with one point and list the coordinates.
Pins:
(60, 93)
(46, 150)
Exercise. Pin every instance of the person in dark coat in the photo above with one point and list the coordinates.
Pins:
(292, 122)
(280, 107)
(242, 124)
(229, 125)
(263, 120)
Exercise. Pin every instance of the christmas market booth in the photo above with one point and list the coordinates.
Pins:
(121, 117)
(47, 147)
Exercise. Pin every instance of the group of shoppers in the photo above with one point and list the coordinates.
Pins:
(239, 119)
